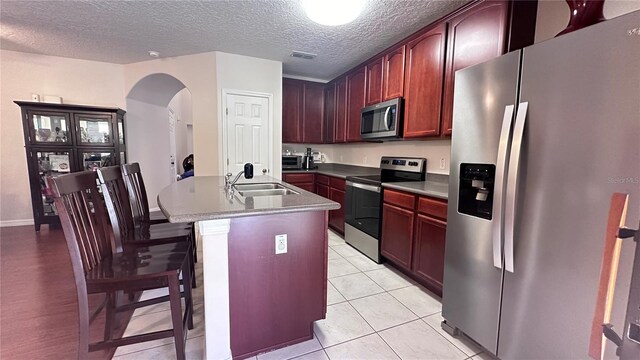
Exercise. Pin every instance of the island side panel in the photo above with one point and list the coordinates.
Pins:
(274, 299)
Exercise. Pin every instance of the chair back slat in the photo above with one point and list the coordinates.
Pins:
(83, 218)
(137, 193)
(119, 209)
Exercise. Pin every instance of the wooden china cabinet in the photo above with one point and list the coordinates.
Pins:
(63, 138)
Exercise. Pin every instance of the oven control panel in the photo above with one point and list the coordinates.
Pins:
(417, 165)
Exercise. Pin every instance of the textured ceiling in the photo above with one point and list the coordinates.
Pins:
(124, 31)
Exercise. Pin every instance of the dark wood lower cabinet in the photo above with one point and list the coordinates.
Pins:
(301, 180)
(336, 217)
(330, 187)
(414, 235)
(310, 187)
(428, 256)
(322, 190)
(397, 235)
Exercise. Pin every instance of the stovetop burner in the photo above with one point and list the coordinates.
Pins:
(395, 170)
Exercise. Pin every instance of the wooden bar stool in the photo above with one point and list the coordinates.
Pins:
(140, 206)
(99, 269)
(126, 235)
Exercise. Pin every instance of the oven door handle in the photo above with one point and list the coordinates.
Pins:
(364, 186)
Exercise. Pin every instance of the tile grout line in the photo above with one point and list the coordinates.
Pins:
(377, 332)
(434, 329)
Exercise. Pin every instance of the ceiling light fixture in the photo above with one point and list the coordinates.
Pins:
(333, 12)
(154, 54)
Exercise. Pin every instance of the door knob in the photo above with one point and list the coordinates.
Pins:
(264, 171)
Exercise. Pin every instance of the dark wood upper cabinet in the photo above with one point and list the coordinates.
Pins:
(476, 35)
(356, 82)
(313, 113)
(424, 74)
(393, 82)
(292, 92)
(375, 75)
(341, 111)
(428, 255)
(397, 235)
(330, 113)
(302, 112)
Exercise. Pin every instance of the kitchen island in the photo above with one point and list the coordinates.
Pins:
(254, 299)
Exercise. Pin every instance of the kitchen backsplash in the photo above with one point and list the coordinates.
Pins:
(369, 154)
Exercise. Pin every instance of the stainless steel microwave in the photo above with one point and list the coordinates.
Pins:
(382, 120)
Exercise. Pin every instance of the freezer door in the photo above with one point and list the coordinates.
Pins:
(580, 145)
(485, 95)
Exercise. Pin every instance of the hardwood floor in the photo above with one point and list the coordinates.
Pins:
(38, 304)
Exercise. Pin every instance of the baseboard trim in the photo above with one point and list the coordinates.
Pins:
(21, 222)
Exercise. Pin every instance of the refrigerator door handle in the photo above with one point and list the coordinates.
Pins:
(501, 167)
(512, 185)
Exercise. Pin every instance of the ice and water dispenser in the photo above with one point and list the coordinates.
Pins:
(475, 195)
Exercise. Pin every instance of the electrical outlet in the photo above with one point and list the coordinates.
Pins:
(341, 158)
(364, 160)
(281, 244)
(443, 164)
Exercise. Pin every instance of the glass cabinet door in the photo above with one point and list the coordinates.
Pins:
(49, 127)
(94, 129)
(50, 163)
(95, 159)
(120, 131)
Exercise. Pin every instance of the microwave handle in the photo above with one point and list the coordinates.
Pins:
(386, 118)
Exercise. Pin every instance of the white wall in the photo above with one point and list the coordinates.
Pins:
(237, 72)
(152, 151)
(181, 105)
(369, 154)
(22, 74)
(198, 73)
(553, 15)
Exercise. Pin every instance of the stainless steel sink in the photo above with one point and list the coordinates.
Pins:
(263, 186)
(266, 189)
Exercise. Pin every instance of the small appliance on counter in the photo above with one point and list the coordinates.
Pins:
(307, 161)
(363, 210)
(292, 162)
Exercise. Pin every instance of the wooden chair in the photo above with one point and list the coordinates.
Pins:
(140, 205)
(126, 235)
(138, 196)
(99, 269)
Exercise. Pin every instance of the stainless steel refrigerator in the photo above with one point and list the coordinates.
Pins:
(542, 138)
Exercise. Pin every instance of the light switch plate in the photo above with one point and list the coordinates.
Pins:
(281, 244)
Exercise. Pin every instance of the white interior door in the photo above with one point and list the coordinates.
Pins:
(172, 146)
(247, 123)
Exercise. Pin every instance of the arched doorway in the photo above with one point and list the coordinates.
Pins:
(159, 129)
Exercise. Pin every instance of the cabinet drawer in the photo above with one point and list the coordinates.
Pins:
(401, 199)
(322, 179)
(432, 207)
(337, 183)
(298, 178)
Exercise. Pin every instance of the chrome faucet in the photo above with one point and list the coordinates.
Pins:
(228, 184)
(247, 172)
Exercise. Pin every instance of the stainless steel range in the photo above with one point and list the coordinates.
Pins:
(364, 199)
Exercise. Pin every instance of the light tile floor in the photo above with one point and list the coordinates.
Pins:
(374, 312)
